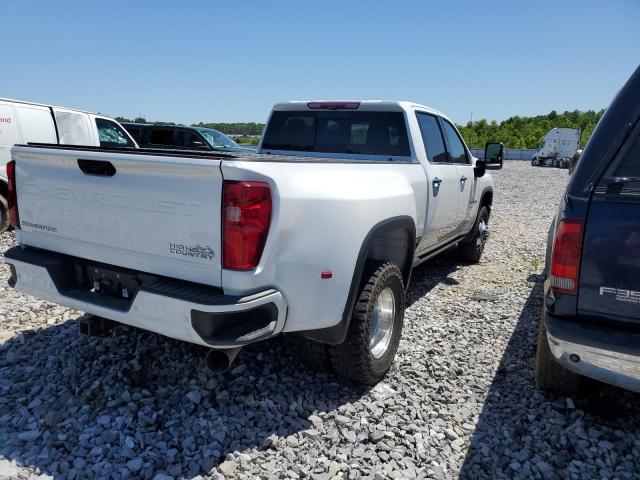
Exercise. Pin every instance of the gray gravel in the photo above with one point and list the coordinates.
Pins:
(459, 402)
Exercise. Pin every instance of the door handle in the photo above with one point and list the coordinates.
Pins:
(463, 178)
(97, 167)
(436, 182)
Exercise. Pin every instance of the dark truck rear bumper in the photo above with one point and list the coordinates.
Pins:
(183, 310)
(606, 354)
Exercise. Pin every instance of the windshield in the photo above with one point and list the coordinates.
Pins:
(218, 140)
(363, 133)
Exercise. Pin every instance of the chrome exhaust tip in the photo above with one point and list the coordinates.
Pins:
(219, 360)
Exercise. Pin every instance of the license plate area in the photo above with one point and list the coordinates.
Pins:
(104, 285)
(110, 283)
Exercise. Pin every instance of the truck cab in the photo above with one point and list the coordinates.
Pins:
(454, 182)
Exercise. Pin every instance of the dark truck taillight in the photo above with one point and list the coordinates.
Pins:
(12, 200)
(246, 215)
(565, 256)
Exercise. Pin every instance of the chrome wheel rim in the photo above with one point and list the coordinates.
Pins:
(383, 317)
(483, 233)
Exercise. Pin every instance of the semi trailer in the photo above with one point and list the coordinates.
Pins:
(557, 148)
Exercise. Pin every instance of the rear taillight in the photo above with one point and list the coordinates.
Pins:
(565, 256)
(246, 215)
(12, 200)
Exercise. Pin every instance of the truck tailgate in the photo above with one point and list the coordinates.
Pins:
(154, 213)
(609, 285)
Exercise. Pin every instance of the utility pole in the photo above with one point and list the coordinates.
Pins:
(471, 117)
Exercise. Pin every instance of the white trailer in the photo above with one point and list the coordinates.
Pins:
(557, 148)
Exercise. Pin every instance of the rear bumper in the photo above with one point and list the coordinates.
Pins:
(182, 310)
(606, 354)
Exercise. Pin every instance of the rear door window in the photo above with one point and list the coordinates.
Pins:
(629, 166)
(135, 132)
(162, 136)
(73, 128)
(193, 141)
(358, 133)
(432, 138)
(456, 147)
(111, 135)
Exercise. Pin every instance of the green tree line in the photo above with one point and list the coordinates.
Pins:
(528, 132)
(514, 132)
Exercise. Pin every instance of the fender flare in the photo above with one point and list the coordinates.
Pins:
(336, 334)
(485, 191)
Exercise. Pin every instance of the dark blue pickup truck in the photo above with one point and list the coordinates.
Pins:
(590, 323)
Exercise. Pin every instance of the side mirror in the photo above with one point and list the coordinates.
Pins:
(493, 155)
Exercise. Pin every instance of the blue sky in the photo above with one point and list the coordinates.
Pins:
(191, 61)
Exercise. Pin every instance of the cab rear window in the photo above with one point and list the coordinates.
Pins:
(358, 133)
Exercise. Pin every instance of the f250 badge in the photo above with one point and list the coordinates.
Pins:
(195, 251)
(621, 295)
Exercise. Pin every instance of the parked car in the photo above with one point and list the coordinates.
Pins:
(183, 138)
(557, 148)
(590, 323)
(26, 122)
(316, 234)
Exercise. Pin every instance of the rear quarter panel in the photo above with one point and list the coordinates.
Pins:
(322, 213)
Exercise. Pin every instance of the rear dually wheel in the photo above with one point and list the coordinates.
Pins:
(375, 329)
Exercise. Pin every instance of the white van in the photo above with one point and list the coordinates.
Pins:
(25, 122)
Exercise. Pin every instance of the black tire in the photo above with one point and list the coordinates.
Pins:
(4, 214)
(472, 247)
(550, 375)
(534, 162)
(353, 359)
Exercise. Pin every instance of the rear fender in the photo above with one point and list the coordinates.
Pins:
(390, 240)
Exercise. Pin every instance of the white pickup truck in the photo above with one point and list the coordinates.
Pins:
(317, 233)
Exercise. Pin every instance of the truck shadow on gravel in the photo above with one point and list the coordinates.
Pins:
(432, 273)
(522, 433)
(136, 404)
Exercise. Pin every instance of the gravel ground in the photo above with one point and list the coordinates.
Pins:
(459, 402)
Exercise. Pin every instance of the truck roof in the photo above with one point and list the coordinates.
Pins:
(363, 105)
(168, 125)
